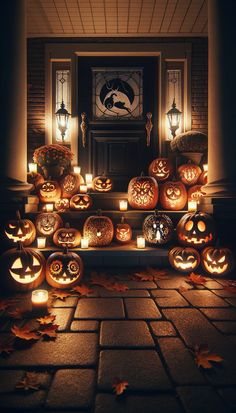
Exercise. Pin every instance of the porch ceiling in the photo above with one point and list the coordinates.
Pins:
(116, 18)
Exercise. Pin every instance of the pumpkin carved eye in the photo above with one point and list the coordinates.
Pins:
(56, 267)
(190, 257)
(221, 259)
(189, 225)
(73, 267)
(12, 226)
(17, 264)
(201, 226)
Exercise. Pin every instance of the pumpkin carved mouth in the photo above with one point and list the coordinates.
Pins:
(186, 265)
(196, 240)
(215, 269)
(64, 279)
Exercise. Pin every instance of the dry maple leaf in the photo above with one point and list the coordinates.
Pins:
(196, 279)
(151, 274)
(50, 331)
(203, 357)
(118, 287)
(101, 279)
(29, 382)
(119, 386)
(47, 319)
(17, 313)
(25, 333)
(61, 295)
(83, 289)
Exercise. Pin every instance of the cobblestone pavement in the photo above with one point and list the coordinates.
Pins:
(144, 336)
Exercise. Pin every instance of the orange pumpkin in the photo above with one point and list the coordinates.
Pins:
(157, 228)
(102, 184)
(161, 169)
(123, 232)
(99, 230)
(173, 195)
(49, 191)
(184, 259)
(62, 204)
(47, 223)
(35, 179)
(203, 178)
(19, 229)
(143, 192)
(64, 269)
(189, 173)
(217, 261)
(70, 184)
(196, 229)
(67, 237)
(81, 202)
(195, 193)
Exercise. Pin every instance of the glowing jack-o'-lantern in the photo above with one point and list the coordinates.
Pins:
(189, 173)
(70, 184)
(196, 229)
(102, 184)
(173, 195)
(67, 237)
(49, 191)
(99, 230)
(184, 259)
(195, 193)
(143, 192)
(47, 223)
(81, 202)
(22, 268)
(123, 232)
(62, 204)
(161, 169)
(157, 228)
(217, 261)
(64, 269)
(203, 178)
(20, 230)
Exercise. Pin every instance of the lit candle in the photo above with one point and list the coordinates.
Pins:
(49, 207)
(123, 205)
(89, 180)
(205, 167)
(140, 241)
(77, 169)
(32, 167)
(39, 299)
(83, 189)
(41, 242)
(84, 243)
(192, 206)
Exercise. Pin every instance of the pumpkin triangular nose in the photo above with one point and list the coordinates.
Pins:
(28, 269)
(19, 232)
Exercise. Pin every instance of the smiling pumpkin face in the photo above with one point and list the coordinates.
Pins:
(161, 169)
(81, 202)
(173, 195)
(184, 259)
(47, 223)
(102, 184)
(196, 229)
(67, 237)
(217, 261)
(22, 230)
(49, 191)
(64, 269)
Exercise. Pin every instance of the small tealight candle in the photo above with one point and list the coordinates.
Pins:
(123, 205)
(39, 299)
(84, 243)
(89, 180)
(83, 189)
(140, 241)
(32, 167)
(77, 169)
(49, 207)
(192, 206)
(41, 242)
(205, 167)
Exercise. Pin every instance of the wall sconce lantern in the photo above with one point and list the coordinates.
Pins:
(62, 116)
(174, 116)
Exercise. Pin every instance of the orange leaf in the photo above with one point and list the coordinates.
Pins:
(29, 382)
(25, 333)
(196, 279)
(151, 274)
(101, 279)
(203, 357)
(50, 331)
(61, 295)
(83, 289)
(118, 287)
(47, 319)
(120, 386)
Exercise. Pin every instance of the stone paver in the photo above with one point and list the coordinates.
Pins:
(84, 326)
(128, 293)
(63, 317)
(125, 334)
(231, 300)
(100, 308)
(140, 285)
(69, 349)
(141, 368)
(182, 367)
(169, 298)
(162, 328)
(173, 282)
(201, 400)
(72, 389)
(226, 327)
(229, 396)
(220, 313)
(68, 302)
(106, 403)
(142, 308)
(204, 298)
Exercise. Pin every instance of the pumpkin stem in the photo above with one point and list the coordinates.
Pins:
(142, 173)
(19, 246)
(18, 216)
(67, 225)
(122, 219)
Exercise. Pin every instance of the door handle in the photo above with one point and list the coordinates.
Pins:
(149, 127)
(83, 128)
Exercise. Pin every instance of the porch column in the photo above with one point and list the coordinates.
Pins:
(13, 95)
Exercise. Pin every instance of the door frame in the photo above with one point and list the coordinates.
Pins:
(71, 52)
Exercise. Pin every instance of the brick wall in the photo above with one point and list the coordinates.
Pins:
(36, 85)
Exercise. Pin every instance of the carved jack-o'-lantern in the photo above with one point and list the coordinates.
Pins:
(49, 191)
(47, 223)
(102, 184)
(70, 184)
(189, 173)
(123, 232)
(161, 169)
(22, 268)
(35, 179)
(143, 192)
(157, 228)
(64, 269)
(195, 193)
(67, 237)
(99, 230)
(196, 229)
(173, 195)
(81, 202)
(184, 259)
(217, 261)
(20, 230)
(62, 204)
(203, 178)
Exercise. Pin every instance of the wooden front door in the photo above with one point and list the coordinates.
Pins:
(116, 93)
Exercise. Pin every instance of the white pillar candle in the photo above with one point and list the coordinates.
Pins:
(89, 180)
(77, 169)
(192, 206)
(41, 242)
(205, 167)
(49, 207)
(39, 299)
(33, 167)
(83, 189)
(84, 243)
(140, 241)
(123, 205)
